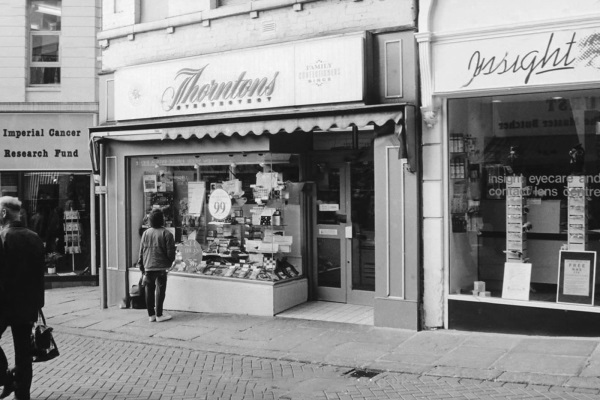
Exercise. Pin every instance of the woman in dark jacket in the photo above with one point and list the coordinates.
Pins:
(157, 253)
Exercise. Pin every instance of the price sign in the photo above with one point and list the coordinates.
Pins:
(219, 204)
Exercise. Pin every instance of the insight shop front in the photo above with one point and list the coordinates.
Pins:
(520, 126)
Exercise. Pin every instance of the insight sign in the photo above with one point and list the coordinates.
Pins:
(555, 57)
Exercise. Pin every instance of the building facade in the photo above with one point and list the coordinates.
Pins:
(48, 101)
(511, 107)
(278, 137)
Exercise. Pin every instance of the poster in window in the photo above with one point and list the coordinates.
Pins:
(150, 184)
(196, 196)
(517, 280)
(576, 277)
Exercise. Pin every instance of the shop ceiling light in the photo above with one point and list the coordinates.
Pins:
(46, 9)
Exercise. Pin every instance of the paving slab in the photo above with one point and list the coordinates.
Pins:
(567, 347)
(541, 364)
(471, 357)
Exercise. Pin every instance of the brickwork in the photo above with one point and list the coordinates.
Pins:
(326, 17)
(100, 368)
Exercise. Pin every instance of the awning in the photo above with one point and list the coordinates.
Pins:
(256, 123)
(305, 120)
(289, 125)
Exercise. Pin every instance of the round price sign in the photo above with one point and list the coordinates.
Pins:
(219, 204)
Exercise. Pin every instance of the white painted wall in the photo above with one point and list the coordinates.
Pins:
(449, 19)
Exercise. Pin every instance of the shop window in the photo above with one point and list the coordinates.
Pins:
(44, 45)
(56, 206)
(524, 183)
(236, 216)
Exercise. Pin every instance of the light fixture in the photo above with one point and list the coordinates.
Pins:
(196, 166)
(496, 101)
(557, 98)
(156, 165)
(46, 9)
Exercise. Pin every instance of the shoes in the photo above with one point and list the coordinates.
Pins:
(164, 317)
(152, 318)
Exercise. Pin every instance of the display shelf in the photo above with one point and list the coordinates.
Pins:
(577, 235)
(516, 220)
(211, 294)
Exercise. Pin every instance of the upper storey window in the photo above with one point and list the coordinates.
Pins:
(44, 28)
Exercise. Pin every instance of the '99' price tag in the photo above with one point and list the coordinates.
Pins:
(219, 204)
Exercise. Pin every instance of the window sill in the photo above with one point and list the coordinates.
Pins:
(49, 88)
(524, 303)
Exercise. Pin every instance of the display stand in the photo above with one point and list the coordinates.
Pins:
(577, 214)
(72, 229)
(516, 220)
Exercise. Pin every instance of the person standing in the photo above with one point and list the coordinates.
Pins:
(157, 253)
(21, 295)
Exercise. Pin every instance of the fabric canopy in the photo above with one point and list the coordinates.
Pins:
(288, 125)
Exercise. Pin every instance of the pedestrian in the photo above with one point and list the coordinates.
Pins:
(157, 253)
(21, 295)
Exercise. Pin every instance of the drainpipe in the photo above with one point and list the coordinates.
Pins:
(103, 282)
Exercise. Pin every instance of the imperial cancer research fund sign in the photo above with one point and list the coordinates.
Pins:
(33, 142)
(312, 72)
(558, 56)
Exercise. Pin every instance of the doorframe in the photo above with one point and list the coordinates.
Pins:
(359, 297)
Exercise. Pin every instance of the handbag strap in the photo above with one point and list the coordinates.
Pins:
(41, 315)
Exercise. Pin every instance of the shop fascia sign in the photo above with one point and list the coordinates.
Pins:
(548, 58)
(300, 73)
(192, 89)
(44, 142)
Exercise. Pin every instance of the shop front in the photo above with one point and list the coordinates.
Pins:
(267, 164)
(45, 163)
(519, 116)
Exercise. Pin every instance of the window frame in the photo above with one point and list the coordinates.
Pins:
(43, 64)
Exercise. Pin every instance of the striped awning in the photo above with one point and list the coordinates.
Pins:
(288, 125)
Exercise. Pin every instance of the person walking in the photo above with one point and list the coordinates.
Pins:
(157, 253)
(21, 295)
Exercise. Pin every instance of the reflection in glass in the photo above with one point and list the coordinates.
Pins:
(363, 225)
(329, 268)
(328, 195)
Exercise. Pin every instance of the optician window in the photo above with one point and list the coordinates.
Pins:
(45, 27)
(524, 184)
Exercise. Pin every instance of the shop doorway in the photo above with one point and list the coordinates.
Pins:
(344, 231)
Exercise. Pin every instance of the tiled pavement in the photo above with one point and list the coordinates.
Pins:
(117, 354)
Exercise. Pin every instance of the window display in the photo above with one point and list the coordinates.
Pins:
(56, 207)
(524, 185)
(234, 216)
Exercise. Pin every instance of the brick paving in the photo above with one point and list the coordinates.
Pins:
(104, 369)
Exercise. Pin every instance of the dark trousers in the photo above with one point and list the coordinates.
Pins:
(23, 371)
(156, 287)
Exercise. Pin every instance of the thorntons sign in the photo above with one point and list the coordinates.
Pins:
(44, 142)
(313, 72)
(561, 56)
(192, 89)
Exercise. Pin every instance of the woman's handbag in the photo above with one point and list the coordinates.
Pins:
(43, 346)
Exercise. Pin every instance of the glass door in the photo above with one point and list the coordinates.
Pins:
(344, 232)
(330, 228)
